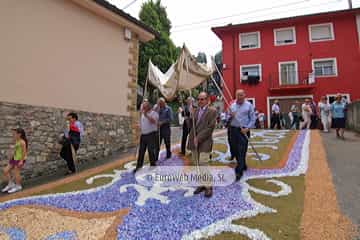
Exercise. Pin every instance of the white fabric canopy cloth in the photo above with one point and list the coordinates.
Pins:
(184, 74)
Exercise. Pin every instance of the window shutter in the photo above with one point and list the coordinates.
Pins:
(249, 40)
(321, 32)
(284, 36)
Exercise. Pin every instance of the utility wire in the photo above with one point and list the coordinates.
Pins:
(265, 15)
(129, 4)
(239, 14)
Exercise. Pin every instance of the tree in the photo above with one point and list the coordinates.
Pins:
(201, 58)
(162, 51)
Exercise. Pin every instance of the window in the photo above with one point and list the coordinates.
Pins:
(250, 71)
(324, 67)
(249, 40)
(251, 100)
(284, 36)
(321, 32)
(288, 73)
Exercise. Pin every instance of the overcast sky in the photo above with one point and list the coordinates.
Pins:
(199, 37)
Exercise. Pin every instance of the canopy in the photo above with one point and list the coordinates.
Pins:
(184, 74)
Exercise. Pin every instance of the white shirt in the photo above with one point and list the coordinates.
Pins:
(304, 107)
(261, 117)
(324, 109)
(275, 108)
(146, 126)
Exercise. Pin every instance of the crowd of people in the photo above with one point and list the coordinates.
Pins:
(311, 115)
(198, 121)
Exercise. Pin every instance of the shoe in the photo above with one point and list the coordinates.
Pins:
(15, 189)
(135, 170)
(199, 190)
(238, 177)
(69, 173)
(168, 156)
(8, 187)
(208, 193)
(245, 168)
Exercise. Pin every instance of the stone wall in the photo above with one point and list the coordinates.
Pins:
(104, 135)
(353, 116)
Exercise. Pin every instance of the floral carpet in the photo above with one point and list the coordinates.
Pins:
(123, 209)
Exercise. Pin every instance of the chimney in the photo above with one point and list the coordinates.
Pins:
(350, 4)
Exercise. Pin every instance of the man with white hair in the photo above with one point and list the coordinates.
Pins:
(242, 120)
(165, 118)
(149, 137)
(201, 141)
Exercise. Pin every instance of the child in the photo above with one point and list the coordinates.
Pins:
(16, 162)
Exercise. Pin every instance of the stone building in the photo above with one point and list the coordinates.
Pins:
(68, 55)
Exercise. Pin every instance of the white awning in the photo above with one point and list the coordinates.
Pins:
(184, 74)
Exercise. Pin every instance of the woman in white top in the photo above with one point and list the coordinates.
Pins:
(324, 109)
(306, 114)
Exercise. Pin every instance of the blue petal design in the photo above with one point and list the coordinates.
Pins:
(14, 233)
(63, 236)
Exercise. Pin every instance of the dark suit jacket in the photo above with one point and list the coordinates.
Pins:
(204, 129)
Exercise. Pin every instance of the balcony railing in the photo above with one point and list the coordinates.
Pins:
(288, 80)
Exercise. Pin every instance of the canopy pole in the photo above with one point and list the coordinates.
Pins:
(193, 118)
(220, 91)
(222, 79)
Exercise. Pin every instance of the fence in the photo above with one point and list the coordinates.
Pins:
(353, 116)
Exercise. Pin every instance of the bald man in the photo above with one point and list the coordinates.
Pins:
(242, 120)
(200, 138)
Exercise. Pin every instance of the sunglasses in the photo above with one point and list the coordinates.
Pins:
(201, 99)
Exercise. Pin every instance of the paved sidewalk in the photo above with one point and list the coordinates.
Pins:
(344, 161)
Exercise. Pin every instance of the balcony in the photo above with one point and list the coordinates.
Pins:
(291, 81)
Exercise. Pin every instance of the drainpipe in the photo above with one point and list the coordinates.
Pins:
(350, 4)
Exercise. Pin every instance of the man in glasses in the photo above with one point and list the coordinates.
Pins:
(242, 119)
(200, 138)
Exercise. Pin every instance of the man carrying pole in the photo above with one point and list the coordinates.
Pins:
(200, 138)
(188, 108)
(165, 118)
(242, 119)
(148, 139)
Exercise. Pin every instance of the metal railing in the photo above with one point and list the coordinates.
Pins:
(288, 79)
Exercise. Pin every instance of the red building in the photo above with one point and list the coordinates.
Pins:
(293, 58)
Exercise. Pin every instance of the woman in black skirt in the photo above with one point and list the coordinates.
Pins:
(338, 109)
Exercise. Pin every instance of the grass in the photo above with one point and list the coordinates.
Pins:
(284, 224)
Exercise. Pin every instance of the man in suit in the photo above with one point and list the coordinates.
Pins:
(200, 138)
(242, 119)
